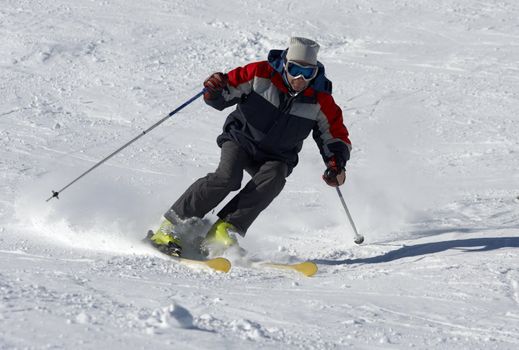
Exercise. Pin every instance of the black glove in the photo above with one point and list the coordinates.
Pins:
(214, 84)
(334, 175)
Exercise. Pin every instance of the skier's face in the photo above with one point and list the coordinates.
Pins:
(299, 74)
(297, 84)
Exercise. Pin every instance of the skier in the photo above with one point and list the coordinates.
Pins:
(278, 103)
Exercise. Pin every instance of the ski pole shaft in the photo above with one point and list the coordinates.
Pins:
(56, 193)
(358, 238)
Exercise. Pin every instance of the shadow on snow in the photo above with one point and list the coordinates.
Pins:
(464, 245)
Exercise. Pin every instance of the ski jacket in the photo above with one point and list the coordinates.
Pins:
(271, 124)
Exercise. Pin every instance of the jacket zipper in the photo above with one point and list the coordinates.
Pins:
(287, 104)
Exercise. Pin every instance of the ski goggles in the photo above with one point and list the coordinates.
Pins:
(297, 70)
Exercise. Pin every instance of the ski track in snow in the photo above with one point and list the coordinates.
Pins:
(429, 94)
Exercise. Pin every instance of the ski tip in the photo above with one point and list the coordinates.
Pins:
(307, 268)
(219, 264)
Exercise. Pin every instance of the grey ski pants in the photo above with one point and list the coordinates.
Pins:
(268, 179)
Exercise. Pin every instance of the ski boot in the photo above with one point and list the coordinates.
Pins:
(220, 237)
(165, 240)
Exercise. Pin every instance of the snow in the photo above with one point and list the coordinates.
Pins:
(429, 91)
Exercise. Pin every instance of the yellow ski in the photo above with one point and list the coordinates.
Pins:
(217, 264)
(307, 268)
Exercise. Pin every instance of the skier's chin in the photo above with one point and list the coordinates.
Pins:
(299, 87)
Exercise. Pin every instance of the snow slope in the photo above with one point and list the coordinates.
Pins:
(429, 91)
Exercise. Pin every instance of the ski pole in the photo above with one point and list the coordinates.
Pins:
(56, 193)
(358, 238)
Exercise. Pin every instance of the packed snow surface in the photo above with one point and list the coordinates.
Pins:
(430, 94)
